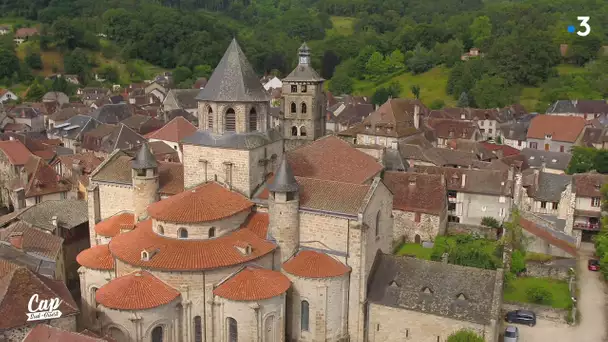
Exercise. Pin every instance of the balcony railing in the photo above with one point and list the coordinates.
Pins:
(586, 226)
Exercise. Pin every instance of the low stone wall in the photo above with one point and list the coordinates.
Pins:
(547, 270)
(461, 228)
(542, 312)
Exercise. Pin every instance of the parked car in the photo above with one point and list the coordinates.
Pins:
(511, 334)
(522, 317)
(593, 265)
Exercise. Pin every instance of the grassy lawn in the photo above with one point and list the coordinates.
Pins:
(559, 289)
(50, 59)
(342, 26)
(569, 69)
(432, 85)
(416, 250)
(531, 256)
(529, 98)
(17, 21)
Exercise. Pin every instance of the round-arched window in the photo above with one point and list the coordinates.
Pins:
(182, 233)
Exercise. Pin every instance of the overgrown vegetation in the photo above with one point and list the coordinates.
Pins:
(601, 240)
(465, 336)
(543, 291)
(468, 250)
(585, 159)
(416, 250)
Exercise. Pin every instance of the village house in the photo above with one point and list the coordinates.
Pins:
(77, 168)
(547, 161)
(142, 124)
(588, 204)
(488, 120)
(596, 137)
(93, 139)
(64, 114)
(161, 151)
(47, 333)
(586, 109)
(181, 99)
(13, 158)
(25, 33)
(27, 116)
(173, 133)
(14, 327)
(555, 133)
(56, 96)
(427, 301)
(449, 129)
(419, 206)
(4, 30)
(113, 113)
(71, 132)
(122, 137)
(547, 194)
(515, 134)
(7, 95)
(347, 116)
(391, 123)
(475, 194)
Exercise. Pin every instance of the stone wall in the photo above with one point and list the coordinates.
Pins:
(546, 270)
(388, 324)
(201, 230)
(542, 312)
(260, 320)
(461, 228)
(406, 228)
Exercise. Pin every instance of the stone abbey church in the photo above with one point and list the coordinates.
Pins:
(247, 242)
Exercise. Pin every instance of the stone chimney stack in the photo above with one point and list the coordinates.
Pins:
(464, 180)
(16, 239)
(20, 199)
(417, 116)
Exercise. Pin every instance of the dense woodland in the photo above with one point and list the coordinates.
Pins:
(520, 41)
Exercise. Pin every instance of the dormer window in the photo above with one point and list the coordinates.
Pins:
(461, 296)
(147, 254)
(368, 126)
(243, 247)
(548, 136)
(394, 284)
(427, 290)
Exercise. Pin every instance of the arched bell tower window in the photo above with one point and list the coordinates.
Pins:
(233, 332)
(304, 323)
(303, 108)
(212, 232)
(157, 334)
(303, 131)
(210, 118)
(253, 120)
(294, 131)
(293, 107)
(230, 120)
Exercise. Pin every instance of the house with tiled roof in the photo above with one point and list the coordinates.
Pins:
(547, 161)
(429, 300)
(419, 205)
(47, 333)
(13, 157)
(24, 33)
(587, 202)
(488, 120)
(29, 116)
(586, 109)
(181, 99)
(77, 168)
(595, 137)
(555, 133)
(64, 113)
(7, 95)
(474, 194)
(173, 133)
(36, 183)
(392, 122)
(142, 124)
(72, 131)
(450, 129)
(548, 194)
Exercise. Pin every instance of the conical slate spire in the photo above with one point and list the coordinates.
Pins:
(283, 181)
(234, 80)
(304, 71)
(144, 159)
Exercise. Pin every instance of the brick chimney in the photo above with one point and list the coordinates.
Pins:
(16, 239)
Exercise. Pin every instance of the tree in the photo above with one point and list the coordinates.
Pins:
(415, 91)
(518, 262)
(449, 53)
(76, 62)
(437, 104)
(359, 65)
(396, 60)
(582, 51)
(492, 92)
(538, 294)
(513, 235)
(465, 336)
(35, 92)
(9, 63)
(463, 100)
(382, 94)
(341, 84)
(181, 74)
(583, 160)
(65, 34)
(34, 61)
(330, 61)
(481, 31)
(490, 221)
(376, 66)
(202, 70)
(109, 73)
(421, 60)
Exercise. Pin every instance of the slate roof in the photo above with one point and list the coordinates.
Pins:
(561, 128)
(303, 73)
(283, 181)
(63, 114)
(395, 118)
(238, 141)
(346, 164)
(398, 282)
(174, 131)
(578, 107)
(488, 182)
(112, 113)
(393, 161)
(185, 98)
(34, 241)
(417, 192)
(593, 135)
(142, 124)
(418, 153)
(144, 159)
(122, 137)
(455, 157)
(352, 114)
(550, 187)
(18, 286)
(172, 114)
(55, 96)
(75, 127)
(12, 258)
(589, 184)
(234, 80)
(70, 214)
(451, 129)
(552, 160)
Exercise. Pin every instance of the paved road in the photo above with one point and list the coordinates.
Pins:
(592, 304)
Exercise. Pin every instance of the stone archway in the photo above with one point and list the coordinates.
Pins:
(417, 239)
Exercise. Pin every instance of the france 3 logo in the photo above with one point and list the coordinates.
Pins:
(584, 24)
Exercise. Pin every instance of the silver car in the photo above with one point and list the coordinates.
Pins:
(511, 334)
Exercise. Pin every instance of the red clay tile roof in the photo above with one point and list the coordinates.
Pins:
(186, 254)
(258, 224)
(26, 32)
(427, 194)
(88, 160)
(15, 151)
(589, 184)
(331, 158)
(170, 178)
(253, 284)
(46, 333)
(448, 128)
(175, 130)
(507, 150)
(207, 202)
(543, 234)
(312, 264)
(34, 241)
(111, 226)
(6, 267)
(16, 289)
(561, 128)
(139, 290)
(42, 179)
(97, 258)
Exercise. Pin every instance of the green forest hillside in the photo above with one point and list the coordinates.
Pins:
(371, 47)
